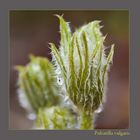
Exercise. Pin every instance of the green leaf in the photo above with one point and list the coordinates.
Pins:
(59, 59)
(65, 33)
(109, 60)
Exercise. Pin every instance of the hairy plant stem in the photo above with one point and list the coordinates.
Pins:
(86, 121)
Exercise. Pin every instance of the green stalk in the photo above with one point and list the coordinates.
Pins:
(86, 121)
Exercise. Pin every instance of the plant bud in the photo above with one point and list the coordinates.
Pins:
(37, 84)
(56, 118)
(83, 63)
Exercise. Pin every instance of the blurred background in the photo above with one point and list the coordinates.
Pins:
(30, 33)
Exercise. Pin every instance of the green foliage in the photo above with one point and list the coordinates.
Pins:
(38, 83)
(56, 118)
(83, 64)
(81, 73)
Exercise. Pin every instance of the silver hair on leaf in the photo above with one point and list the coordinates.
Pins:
(84, 67)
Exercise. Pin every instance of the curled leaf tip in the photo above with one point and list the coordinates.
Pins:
(59, 16)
